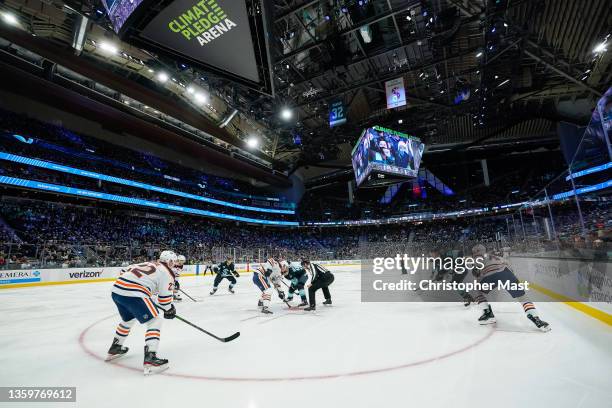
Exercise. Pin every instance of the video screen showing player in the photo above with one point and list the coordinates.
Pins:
(387, 150)
(602, 118)
(120, 10)
(360, 162)
(394, 150)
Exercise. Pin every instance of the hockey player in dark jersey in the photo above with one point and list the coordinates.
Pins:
(437, 272)
(459, 277)
(225, 270)
(297, 275)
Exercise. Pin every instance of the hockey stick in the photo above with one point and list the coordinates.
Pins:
(222, 339)
(287, 302)
(183, 292)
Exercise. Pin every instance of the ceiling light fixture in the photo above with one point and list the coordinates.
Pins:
(162, 77)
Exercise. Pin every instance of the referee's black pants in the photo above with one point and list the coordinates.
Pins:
(322, 283)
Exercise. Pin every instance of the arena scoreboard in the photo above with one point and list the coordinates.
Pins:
(385, 156)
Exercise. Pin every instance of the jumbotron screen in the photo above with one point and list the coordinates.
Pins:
(388, 152)
(119, 11)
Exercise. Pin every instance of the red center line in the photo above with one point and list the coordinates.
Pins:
(444, 356)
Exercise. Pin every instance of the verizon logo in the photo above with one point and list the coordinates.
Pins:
(84, 274)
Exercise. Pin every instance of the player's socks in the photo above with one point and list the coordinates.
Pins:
(529, 308)
(327, 302)
(152, 364)
(487, 316)
(540, 324)
(116, 350)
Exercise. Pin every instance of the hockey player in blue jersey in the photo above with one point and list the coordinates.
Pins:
(225, 270)
(297, 275)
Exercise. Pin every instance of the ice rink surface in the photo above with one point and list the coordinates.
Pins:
(351, 354)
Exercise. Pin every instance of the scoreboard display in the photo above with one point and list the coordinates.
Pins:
(383, 156)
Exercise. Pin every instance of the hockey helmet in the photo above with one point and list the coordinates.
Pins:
(479, 250)
(167, 256)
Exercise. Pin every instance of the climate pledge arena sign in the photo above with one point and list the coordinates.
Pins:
(213, 32)
(204, 22)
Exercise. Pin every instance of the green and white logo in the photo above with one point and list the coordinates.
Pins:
(204, 21)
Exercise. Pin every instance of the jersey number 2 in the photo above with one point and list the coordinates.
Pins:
(141, 269)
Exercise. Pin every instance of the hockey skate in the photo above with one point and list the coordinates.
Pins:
(310, 308)
(304, 303)
(178, 298)
(265, 310)
(467, 300)
(212, 292)
(540, 324)
(231, 290)
(327, 302)
(259, 303)
(152, 364)
(116, 350)
(487, 317)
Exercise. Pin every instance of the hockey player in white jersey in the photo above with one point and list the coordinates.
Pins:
(496, 269)
(133, 294)
(178, 269)
(266, 276)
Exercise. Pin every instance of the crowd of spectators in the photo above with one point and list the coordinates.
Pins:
(25, 136)
(52, 234)
(69, 232)
(29, 172)
(64, 232)
(508, 183)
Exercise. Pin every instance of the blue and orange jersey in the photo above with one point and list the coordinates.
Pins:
(493, 264)
(146, 280)
(270, 265)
